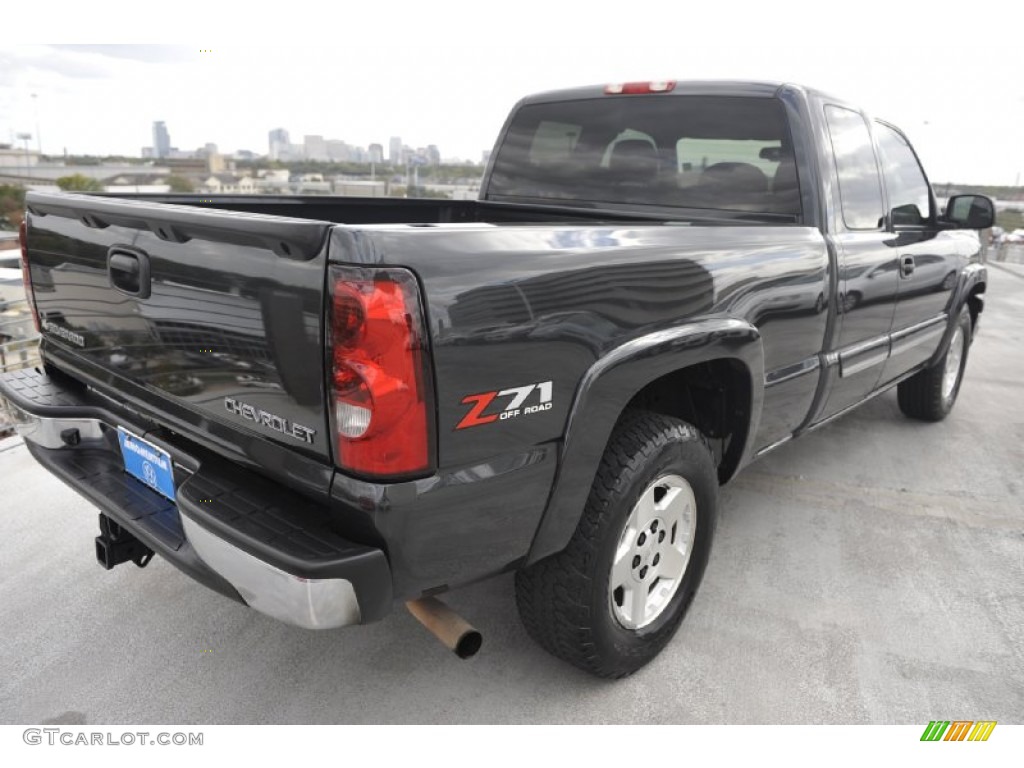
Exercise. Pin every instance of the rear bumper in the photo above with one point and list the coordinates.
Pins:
(238, 533)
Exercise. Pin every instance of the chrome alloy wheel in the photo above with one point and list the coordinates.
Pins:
(953, 357)
(653, 552)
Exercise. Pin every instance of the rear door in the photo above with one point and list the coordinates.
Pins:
(929, 259)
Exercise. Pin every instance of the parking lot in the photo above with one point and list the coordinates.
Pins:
(871, 572)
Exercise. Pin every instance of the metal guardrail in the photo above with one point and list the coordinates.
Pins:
(19, 346)
(1012, 253)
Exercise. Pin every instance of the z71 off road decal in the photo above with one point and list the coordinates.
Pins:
(511, 403)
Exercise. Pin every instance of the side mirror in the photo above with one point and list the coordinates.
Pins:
(970, 212)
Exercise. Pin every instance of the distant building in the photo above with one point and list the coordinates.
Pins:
(433, 154)
(485, 157)
(161, 140)
(395, 150)
(280, 144)
(314, 148)
(272, 181)
(339, 151)
(276, 175)
(228, 183)
(311, 184)
(376, 153)
(12, 156)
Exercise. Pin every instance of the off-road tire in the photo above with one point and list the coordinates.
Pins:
(922, 396)
(564, 600)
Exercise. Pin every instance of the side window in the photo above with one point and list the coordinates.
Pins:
(695, 154)
(860, 188)
(904, 179)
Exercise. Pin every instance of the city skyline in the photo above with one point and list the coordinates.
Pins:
(420, 85)
(65, 73)
(317, 148)
(314, 147)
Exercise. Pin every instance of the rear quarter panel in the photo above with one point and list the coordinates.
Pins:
(513, 306)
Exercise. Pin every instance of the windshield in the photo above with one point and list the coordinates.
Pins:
(722, 153)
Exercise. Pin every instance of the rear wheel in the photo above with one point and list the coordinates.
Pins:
(930, 394)
(613, 598)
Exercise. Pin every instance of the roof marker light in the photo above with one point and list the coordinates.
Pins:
(653, 86)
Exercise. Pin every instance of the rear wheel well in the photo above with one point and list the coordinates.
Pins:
(715, 397)
(975, 303)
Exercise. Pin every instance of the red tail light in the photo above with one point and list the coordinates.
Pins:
(26, 274)
(380, 388)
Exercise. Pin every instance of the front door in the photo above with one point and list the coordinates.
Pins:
(929, 258)
(867, 260)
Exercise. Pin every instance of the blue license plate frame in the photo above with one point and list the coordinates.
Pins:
(149, 464)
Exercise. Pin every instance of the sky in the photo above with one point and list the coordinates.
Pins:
(449, 71)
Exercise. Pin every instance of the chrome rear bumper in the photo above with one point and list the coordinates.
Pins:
(277, 554)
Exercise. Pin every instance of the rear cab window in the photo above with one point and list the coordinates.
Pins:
(716, 153)
(860, 188)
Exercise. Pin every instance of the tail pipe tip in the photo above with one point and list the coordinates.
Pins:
(446, 625)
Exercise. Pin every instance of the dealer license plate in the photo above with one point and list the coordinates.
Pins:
(147, 463)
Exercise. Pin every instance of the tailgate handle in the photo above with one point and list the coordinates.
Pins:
(129, 272)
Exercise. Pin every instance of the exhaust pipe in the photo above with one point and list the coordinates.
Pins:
(447, 626)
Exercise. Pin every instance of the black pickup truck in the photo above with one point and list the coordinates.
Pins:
(319, 406)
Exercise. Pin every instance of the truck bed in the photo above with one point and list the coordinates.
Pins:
(236, 317)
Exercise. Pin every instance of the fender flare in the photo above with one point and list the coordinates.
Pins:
(605, 391)
(972, 275)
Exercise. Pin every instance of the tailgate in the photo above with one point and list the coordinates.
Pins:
(215, 312)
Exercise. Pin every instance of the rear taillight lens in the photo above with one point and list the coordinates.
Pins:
(379, 382)
(26, 274)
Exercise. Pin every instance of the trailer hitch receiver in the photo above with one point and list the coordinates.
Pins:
(115, 545)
